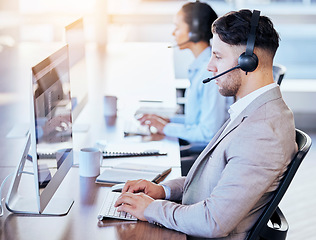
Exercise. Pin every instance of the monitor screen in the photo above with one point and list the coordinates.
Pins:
(51, 131)
(75, 38)
(52, 128)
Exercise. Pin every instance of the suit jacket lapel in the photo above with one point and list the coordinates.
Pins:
(214, 139)
(201, 158)
(204, 156)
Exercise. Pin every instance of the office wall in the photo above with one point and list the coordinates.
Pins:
(9, 5)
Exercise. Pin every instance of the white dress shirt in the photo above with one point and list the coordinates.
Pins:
(236, 108)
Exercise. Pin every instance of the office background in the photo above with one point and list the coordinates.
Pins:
(115, 21)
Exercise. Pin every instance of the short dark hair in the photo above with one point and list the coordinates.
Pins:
(205, 16)
(233, 28)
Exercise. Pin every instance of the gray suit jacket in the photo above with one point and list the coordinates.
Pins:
(235, 176)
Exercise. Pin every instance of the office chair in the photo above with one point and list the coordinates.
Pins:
(277, 228)
(278, 73)
(189, 153)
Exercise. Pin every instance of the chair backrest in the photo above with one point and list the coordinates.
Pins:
(304, 143)
(278, 73)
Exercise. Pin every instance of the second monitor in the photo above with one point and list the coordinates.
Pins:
(75, 38)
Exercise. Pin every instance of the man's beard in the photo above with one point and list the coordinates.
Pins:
(231, 85)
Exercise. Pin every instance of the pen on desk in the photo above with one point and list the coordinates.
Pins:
(161, 176)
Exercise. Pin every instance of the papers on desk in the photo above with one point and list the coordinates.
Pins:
(130, 171)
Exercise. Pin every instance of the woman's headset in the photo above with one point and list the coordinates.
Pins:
(194, 34)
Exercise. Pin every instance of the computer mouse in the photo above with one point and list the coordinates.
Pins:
(117, 187)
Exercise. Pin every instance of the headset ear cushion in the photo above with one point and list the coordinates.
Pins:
(194, 37)
(248, 63)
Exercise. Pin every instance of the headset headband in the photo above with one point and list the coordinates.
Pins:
(195, 19)
(252, 34)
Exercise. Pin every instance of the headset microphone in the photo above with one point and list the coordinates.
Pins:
(221, 74)
(180, 44)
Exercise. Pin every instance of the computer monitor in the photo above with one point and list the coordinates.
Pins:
(75, 38)
(51, 129)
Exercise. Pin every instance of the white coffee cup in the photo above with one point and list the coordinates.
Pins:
(110, 106)
(89, 162)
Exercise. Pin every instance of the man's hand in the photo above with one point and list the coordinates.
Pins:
(149, 188)
(133, 203)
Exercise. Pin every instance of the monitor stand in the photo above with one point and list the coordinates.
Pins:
(23, 205)
(18, 204)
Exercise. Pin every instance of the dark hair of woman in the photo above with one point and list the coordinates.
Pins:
(205, 16)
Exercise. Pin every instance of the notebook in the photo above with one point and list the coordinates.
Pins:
(131, 171)
(146, 153)
(132, 149)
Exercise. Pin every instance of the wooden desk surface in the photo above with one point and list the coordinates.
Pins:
(81, 222)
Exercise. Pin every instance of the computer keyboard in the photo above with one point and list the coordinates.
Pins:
(133, 127)
(46, 155)
(109, 211)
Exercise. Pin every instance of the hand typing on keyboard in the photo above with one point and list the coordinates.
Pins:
(134, 204)
(137, 195)
(153, 120)
(108, 210)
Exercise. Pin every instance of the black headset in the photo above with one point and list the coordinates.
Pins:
(194, 34)
(248, 61)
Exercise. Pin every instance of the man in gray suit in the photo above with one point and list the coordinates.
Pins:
(235, 176)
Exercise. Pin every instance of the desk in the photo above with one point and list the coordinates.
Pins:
(81, 222)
